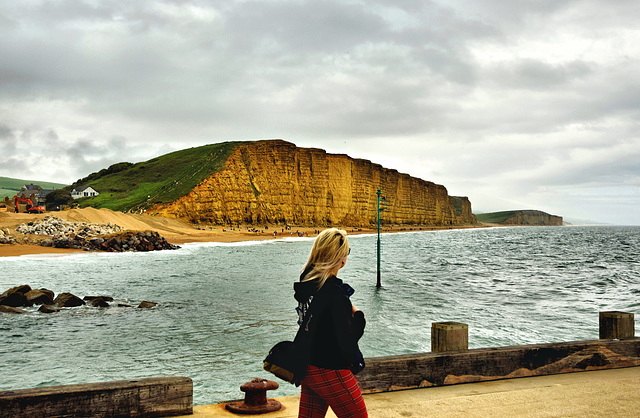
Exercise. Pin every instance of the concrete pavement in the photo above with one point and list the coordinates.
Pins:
(603, 393)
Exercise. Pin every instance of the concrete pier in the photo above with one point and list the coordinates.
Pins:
(602, 393)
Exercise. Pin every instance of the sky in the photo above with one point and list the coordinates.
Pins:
(528, 104)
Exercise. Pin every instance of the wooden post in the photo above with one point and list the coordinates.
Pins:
(449, 336)
(616, 325)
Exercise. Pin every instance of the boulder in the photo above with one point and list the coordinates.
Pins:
(14, 299)
(62, 242)
(48, 292)
(7, 240)
(98, 303)
(49, 309)
(38, 297)
(67, 300)
(146, 304)
(106, 298)
(21, 289)
(96, 242)
(10, 309)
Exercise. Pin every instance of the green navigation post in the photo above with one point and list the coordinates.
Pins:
(382, 205)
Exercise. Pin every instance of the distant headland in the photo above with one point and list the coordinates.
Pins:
(520, 217)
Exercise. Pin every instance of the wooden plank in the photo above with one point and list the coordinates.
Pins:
(438, 369)
(150, 397)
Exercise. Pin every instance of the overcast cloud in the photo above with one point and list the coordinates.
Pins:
(529, 104)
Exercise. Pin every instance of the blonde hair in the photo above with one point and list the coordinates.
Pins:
(329, 248)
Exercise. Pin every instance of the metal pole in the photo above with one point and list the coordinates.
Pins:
(378, 284)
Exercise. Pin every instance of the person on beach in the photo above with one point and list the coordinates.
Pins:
(335, 356)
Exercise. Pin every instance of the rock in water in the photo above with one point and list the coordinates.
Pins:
(98, 303)
(48, 309)
(48, 292)
(106, 298)
(146, 304)
(38, 297)
(14, 300)
(68, 300)
(10, 309)
(20, 289)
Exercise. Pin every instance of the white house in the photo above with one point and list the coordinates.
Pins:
(83, 191)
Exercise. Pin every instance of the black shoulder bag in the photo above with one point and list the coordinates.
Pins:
(289, 359)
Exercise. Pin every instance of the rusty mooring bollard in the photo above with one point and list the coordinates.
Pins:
(255, 398)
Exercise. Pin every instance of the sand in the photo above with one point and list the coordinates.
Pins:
(174, 230)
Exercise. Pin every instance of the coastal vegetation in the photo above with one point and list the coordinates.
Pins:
(495, 217)
(125, 186)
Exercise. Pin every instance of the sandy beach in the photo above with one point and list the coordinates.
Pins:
(174, 230)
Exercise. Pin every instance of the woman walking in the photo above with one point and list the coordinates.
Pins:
(336, 328)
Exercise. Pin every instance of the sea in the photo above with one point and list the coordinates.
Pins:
(221, 307)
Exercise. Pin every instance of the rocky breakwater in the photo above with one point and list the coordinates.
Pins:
(58, 228)
(6, 238)
(93, 237)
(16, 298)
(277, 182)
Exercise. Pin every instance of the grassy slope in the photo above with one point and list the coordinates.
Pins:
(159, 180)
(496, 217)
(10, 186)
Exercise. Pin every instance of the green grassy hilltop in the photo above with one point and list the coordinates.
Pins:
(496, 217)
(10, 186)
(164, 179)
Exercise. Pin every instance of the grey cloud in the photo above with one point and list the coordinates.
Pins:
(16, 165)
(8, 146)
(52, 136)
(307, 27)
(6, 133)
(512, 14)
(82, 149)
(530, 74)
(87, 84)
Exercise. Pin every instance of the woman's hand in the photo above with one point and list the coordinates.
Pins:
(353, 310)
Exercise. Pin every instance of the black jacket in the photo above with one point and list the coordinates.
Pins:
(335, 330)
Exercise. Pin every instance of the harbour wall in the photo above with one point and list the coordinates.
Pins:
(617, 347)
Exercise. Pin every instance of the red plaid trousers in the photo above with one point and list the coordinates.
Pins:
(338, 389)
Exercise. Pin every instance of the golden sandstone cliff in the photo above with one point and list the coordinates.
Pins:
(276, 182)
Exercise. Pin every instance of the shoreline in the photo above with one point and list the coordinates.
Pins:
(174, 231)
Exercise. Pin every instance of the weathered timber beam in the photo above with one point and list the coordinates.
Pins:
(150, 397)
(438, 369)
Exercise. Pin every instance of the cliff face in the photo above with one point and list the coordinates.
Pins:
(533, 217)
(277, 182)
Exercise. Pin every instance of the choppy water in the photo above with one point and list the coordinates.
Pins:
(221, 307)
